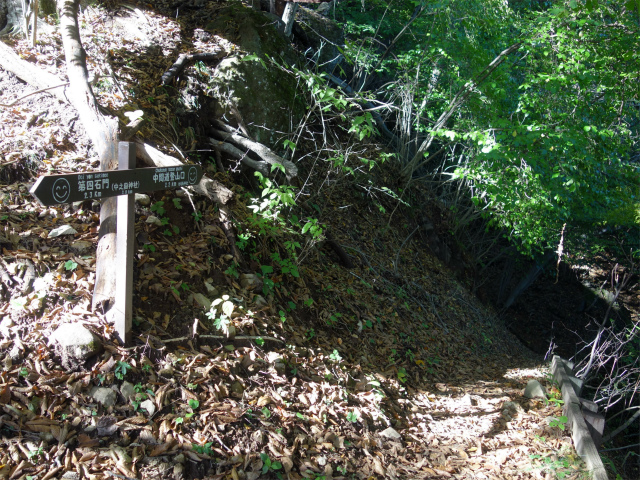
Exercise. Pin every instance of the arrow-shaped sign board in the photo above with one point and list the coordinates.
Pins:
(76, 187)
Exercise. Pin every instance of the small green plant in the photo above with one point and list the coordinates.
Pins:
(136, 404)
(402, 375)
(149, 247)
(310, 333)
(556, 402)
(352, 417)
(179, 287)
(335, 356)
(192, 386)
(35, 453)
(171, 230)
(266, 412)
(233, 270)
(176, 203)
(121, 369)
(363, 127)
(260, 341)
(268, 464)
(223, 320)
(70, 265)
(197, 216)
(146, 368)
(559, 422)
(193, 403)
(333, 319)
(203, 449)
(561, 464)
(158, 208)
(24, 372)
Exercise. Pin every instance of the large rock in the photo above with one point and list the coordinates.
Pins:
(105, 396)
(323, 35)
(75, 343)
(535, 389)
(266, 97)
(128, 391)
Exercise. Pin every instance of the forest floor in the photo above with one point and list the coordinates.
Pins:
(389, 369)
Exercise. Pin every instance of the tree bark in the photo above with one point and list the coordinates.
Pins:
(103, 133)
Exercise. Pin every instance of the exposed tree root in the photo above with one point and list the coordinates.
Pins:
(186, 59)
(228, 134)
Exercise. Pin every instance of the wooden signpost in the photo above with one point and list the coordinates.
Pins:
(123, 183)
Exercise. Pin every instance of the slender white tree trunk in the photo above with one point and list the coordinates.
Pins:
(288, 16)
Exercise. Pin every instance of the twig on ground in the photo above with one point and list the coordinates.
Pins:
(32, 93)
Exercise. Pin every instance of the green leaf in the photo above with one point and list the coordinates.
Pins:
(70, 265)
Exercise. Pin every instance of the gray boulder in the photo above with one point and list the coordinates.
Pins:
(391, 433)
(75, 343)
(534, 390)
(104, 396)
(128, 391)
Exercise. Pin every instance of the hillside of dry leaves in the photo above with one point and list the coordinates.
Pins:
(389, 369)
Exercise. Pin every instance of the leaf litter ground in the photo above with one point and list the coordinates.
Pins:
(391, 369)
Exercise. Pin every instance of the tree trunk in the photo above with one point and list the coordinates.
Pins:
(288, 16)
(103, 132)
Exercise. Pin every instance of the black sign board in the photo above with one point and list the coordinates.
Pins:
(75, 187)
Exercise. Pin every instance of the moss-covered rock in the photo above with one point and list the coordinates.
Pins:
(266, 96)
(323, 36)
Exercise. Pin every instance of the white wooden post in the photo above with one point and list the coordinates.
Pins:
(124, 249)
